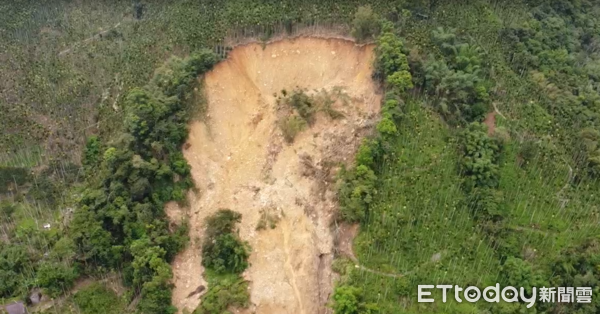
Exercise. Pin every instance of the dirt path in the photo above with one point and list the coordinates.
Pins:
(534, 230)
(490, 121)
(240, 161)
(498, 111)
(87, 40)
(290, 272)
(345, 235)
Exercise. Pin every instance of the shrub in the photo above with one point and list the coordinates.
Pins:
(56, 278)
(267, 219)
(14, 260)
(223, 221)
(225, 253)
(7, 208)
(519, 273)
(291, 126)
(97, 299)
(486, 204)
(222, 250)
(10, 176)
(304, 105)
(304, 109)
(528, 152)
(349, 300)
(9, 283)
(356, 193)
(224, 293)
(63, 250)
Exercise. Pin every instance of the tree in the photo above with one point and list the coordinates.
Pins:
(386, 127)
(458, 80)
(589, 139)
(479, 160)
(445, 39)
(223, 251)
(92, 151)
(519, 273)
(356, 193)
(390, 54)
(156, 297)
(366, 24)
(94, 243)
(148, 262)
(138, 10)
(401, 81)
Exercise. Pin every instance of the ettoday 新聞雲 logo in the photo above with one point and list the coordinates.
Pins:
(508, 294)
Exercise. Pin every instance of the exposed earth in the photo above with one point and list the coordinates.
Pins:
(241, 161)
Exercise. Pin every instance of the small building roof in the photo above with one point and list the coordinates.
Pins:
(16, 308)
(35, 297)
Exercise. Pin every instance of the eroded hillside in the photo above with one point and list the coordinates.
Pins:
(240, 161)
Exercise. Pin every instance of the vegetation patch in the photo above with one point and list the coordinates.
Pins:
(225, 257)
(225, 291)
(483, 208)
(292, 126)
(518, 209)
(119, 223)
(349, 299)
(297, 109)
(97, 299)
(269, 217)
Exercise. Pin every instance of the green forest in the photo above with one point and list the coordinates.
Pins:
(482, 169)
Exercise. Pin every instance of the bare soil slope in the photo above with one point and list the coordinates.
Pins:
(240, 161)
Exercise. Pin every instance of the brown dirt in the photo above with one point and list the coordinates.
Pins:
(345, 235)
(490, 121)
(240, 161)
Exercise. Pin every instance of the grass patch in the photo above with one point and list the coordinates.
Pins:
(268, 219)
(291, 126)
